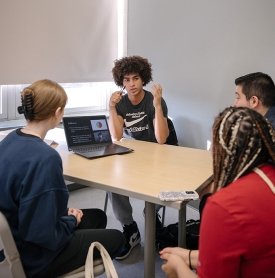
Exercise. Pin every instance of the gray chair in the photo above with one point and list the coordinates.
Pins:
(11, 266)
(172, 138)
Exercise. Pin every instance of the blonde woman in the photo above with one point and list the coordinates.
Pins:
(52, 239)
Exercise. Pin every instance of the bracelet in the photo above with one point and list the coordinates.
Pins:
(189, 256)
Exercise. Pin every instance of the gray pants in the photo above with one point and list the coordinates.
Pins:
(122, 208)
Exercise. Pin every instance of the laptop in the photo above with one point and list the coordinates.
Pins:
(90, 137)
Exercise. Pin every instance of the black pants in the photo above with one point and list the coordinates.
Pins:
(90, 229)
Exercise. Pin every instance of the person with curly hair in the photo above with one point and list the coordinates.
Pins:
(237, 231)
(138, 114)
(256, 91)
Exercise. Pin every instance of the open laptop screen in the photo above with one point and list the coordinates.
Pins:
(86, 130)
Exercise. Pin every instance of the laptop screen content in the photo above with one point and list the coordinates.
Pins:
(86, 130)
(89, 136)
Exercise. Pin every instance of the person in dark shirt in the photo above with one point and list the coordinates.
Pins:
(51, 238)
(256, 91)
(138, 114)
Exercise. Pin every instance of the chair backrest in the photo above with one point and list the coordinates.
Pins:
(11, 266)
(172, 139)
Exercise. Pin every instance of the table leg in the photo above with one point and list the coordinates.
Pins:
(149, 242)
(182, 226)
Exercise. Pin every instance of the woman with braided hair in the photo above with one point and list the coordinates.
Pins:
(237, 232)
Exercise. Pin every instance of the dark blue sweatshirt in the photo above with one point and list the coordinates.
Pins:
(34, 198)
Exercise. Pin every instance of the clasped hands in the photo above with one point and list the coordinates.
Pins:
(177, 261)
(77, 213)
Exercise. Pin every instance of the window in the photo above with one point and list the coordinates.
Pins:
(85, 98)
(88, 97)
(3, 104)
(10, 99)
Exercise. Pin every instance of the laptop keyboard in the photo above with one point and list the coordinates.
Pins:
(85, 149)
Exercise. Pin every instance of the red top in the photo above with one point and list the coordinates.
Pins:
(238, 230)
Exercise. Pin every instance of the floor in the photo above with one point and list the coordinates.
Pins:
(133, 266)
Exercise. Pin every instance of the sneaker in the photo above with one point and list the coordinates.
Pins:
(132, 237)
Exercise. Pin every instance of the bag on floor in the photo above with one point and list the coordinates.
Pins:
(168, 236)
(110, 270)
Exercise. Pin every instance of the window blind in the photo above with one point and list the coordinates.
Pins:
(63, 40)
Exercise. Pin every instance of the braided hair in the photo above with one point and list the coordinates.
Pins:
(242, 140)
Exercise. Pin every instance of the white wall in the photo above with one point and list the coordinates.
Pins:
(197, 49)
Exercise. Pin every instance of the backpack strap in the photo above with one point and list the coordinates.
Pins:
(265, 178)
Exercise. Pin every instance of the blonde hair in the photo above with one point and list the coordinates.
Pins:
(41, 99)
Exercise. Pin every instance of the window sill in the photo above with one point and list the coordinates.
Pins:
(12, 124)
(22, 122)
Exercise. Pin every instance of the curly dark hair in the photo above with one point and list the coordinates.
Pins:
(242, 139)
(130, 65)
